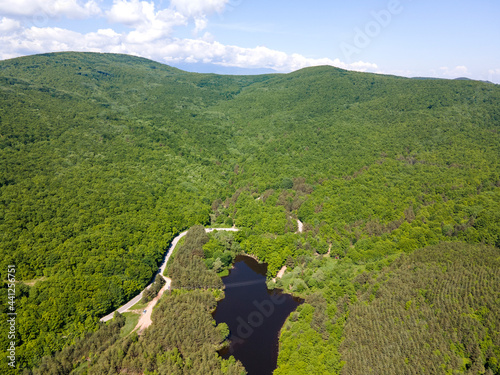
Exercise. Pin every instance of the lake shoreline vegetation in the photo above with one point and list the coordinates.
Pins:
(107, 157)
(169, 345)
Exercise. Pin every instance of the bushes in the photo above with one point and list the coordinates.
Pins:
(152, 291)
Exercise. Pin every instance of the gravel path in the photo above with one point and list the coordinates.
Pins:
(147, 321)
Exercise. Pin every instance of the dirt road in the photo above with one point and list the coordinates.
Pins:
(145, 320)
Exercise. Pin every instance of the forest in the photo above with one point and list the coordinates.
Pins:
(106, 158)
(416, 295)
(182, 339)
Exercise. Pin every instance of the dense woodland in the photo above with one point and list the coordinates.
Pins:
(445, 301)
(182, 340)
(105, 158)
(189, 270)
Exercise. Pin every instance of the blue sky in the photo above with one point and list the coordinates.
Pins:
(447, 39)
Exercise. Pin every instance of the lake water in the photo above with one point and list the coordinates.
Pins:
(254, 315)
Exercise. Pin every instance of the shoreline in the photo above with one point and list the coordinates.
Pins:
(126, 307)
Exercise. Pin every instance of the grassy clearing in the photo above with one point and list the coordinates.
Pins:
(32, 282)
(130, 323)
(139, 306)
(223, 273)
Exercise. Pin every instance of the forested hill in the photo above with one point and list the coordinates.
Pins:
(105, 158)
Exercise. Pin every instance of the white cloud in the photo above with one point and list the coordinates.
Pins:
(151, 36)
(50, 8)
(148, 24)
(101, 39)
(494, 75)
(200, 24)
(8, 25)
(456, 72)
(54, 39)
(494, 71)
(50, 39)
(141, 14)
(148, 40)
(360, 66)
(131, 13)
(208, 51)
(198, 8)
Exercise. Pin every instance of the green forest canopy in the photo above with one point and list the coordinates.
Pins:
(105, 158)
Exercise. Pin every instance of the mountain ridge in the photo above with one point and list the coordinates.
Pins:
(107, 157)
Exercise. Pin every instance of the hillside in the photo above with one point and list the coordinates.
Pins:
(107, 157)
(445, 301)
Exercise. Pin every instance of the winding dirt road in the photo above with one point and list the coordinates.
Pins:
(280, 274)
(300, 226)
(145, 320)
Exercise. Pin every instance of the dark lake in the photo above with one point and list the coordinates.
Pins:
(254, 315)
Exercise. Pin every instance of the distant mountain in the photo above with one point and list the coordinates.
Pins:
(424, 78)
(219, 69)
(455, 79)
(469, 79)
